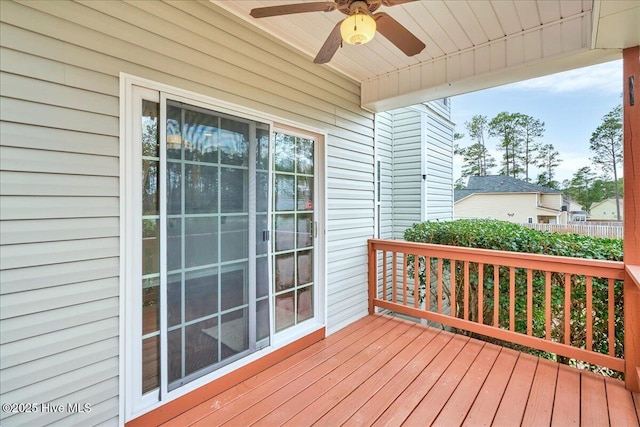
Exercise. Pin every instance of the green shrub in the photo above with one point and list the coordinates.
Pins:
(506, 236)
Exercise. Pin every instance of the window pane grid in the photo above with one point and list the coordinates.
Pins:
(208, 164)
(293, 229)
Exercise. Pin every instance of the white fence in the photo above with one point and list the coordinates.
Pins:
(610, 231)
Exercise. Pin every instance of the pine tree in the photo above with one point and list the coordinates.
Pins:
(530, 130)
(548, 159)
(506, 127)
(476, 157)
(606, 144)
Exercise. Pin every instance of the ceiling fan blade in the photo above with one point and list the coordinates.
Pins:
(330, 46)
(287, 9)
(397, 34)
(390, 3)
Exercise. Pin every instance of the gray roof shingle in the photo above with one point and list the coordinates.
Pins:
(499, 184)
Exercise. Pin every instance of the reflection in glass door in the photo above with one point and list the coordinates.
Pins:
(212, 270)
(293, 225)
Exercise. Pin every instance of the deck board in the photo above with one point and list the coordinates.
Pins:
(326, 402)
(593, 407)
(540, 404)
(457, 407)
(566, 409)
(403, 406)
(379, 402)
(430, 406)
(386, 371)
(622, 408)
(514, 401)
(486, 404)
(388, 374)
(319, 376)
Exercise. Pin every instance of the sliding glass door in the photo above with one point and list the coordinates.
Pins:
(222, 240)
(205, 273)
(211, 297)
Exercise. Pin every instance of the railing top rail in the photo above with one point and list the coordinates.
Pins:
(634, 273)
(553, 263)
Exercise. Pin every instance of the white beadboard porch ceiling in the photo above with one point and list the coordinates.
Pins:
(470, 44)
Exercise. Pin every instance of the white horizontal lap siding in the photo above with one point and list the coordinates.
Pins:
(350, 194)
(59, 182)
(407, 166)
(384, 154)
(384, 149)
(439, 157)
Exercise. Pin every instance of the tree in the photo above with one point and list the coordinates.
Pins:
(530, 130)
(460, 184)
(606, 144)
(476, 160)
(476, 157)
(505, 126)
(580, 187)
(548, 159)
(477, 128)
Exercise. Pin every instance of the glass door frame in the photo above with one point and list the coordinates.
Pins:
(319, 237)
(132, 91)
(250, 274)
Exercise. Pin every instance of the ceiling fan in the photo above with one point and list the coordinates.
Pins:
(358, 27)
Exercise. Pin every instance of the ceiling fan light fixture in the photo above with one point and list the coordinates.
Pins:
(358, 28)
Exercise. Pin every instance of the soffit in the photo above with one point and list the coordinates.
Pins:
(470, 44)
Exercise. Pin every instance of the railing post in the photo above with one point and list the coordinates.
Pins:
(632, 330)
(373, 276)
(631, 123)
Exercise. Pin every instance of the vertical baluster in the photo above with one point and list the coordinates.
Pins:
(529, 301)
(611, 318)
(427, 283)
(416, 280)
(480, 293)
(567, 308)
(547, 305)
(394, 271)
(452, 287)
(384, 275)
(372, 277)
(466, 290)
(439, 285)
(496, 295)
(589, 313)
(405, 280)
(512, 299)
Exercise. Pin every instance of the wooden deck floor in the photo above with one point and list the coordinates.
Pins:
(385, 371)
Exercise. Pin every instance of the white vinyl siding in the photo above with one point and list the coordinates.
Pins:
(411, 142)
(384, 154)
(60, 205)
(439, 165)
(407, 169)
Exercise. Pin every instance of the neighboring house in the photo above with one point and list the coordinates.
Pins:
(509, 199)
(606, 211)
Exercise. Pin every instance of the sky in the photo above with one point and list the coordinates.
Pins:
(571, 104)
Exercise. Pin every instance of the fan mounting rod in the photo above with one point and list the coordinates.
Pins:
(348, 7)
(360, 6)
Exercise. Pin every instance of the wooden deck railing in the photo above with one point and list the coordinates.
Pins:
(567, 306)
